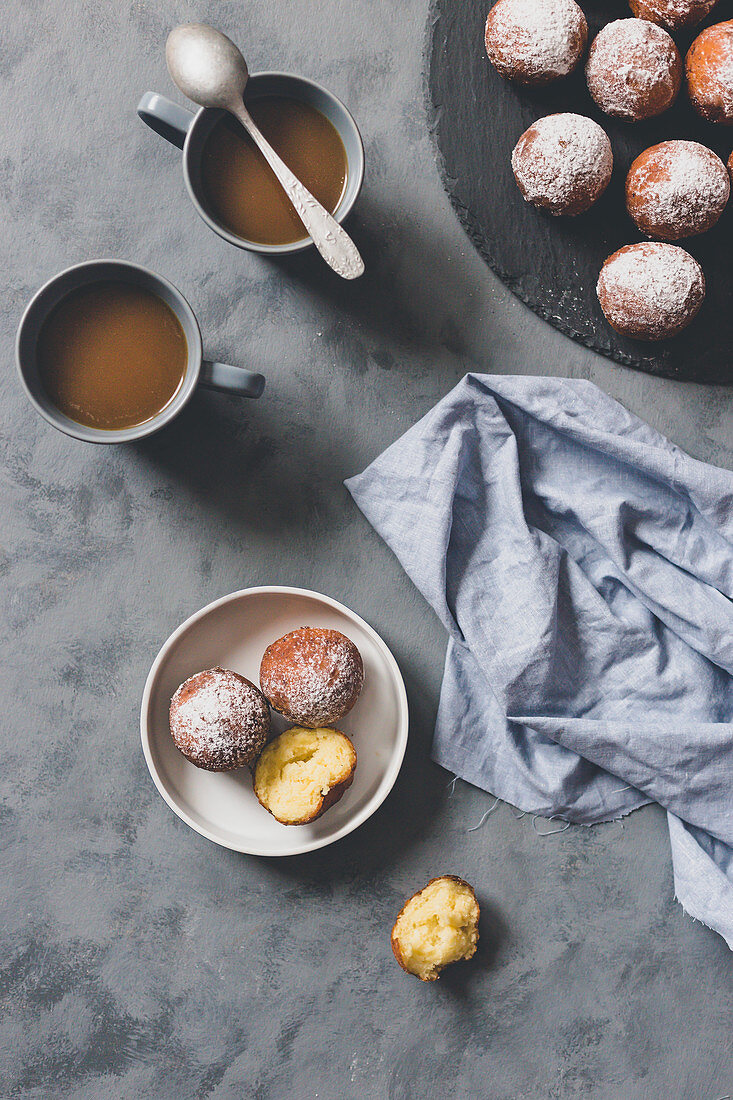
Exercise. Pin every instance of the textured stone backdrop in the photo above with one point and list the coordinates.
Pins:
(136, 959)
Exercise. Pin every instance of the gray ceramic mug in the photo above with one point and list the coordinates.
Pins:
(217, 376)
(189, 133)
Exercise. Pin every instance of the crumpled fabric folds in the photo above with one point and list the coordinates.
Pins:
(583, 567)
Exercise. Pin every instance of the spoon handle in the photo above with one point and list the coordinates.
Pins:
(331, 240)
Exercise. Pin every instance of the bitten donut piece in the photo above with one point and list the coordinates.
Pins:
(650, 291)
(312, 676)
(303, 772)
(219, 720)
(535, 41)
(436, 927)
(634, 69)
(563, 163)
(675, 15)
(709, 68)
(677, 189)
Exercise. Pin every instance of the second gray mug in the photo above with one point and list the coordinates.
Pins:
(218, 376)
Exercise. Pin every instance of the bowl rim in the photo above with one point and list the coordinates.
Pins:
(345, 205)
(391, 771)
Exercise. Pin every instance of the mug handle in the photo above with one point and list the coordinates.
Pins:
(234, 380)
(165, 117)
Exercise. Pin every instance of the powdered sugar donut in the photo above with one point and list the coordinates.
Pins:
(563, 163)
(677, 189)
(675, 15)
(709, 67)
(650, 291)
(313, 676)
(219, 720)
(535, 41)
(634, 69)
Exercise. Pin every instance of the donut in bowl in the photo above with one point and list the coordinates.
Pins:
(313, 676)
(303, 772)
(219, 720)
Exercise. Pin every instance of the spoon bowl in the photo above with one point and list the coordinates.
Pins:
(206, 65)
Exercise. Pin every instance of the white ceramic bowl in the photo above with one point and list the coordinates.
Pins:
(234, 632)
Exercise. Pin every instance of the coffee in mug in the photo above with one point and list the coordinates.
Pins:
(111, 355)
(242, 192)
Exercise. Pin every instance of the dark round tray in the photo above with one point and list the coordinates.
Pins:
(552, 264)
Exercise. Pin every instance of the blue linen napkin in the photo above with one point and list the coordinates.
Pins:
(583, 567)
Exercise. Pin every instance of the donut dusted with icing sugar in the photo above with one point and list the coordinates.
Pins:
(634, 69)
(675, 15)
(563, 163)
(535, 41)
(219, 720)
(650, 291)
(677, 189)
(709, 68)
(312, 676)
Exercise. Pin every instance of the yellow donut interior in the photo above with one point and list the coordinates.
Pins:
(437, 926)
(302, 772)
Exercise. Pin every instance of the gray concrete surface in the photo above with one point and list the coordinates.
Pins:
(138, 960)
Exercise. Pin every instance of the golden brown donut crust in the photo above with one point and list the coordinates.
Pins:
(709, 71)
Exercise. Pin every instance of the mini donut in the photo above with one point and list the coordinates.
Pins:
(634, 69)
(535, 41)
(650, 291)
(675, 15)
(312, 676)
(709, 68)
(219, 720)
(563, 163)
(677, 189)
